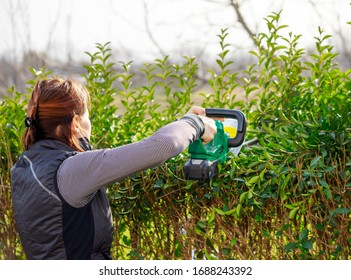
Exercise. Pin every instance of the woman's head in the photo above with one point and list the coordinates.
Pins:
(58, 109)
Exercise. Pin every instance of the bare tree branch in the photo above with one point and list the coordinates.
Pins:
(337, 29)
(11, 14)
(148, 31)
(68, 40)
(52, 29)
(235, 4)
(25, 17)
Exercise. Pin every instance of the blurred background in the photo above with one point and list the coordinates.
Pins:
(57, 33)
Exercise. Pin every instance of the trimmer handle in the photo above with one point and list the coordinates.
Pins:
(231, 114)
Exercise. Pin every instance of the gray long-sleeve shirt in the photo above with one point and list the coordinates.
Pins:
(80, 176)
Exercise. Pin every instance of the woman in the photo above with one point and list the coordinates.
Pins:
(60, 204)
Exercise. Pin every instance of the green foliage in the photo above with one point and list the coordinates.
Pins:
(223, 83)
(285, 198)
(99, 82)
(12, 112)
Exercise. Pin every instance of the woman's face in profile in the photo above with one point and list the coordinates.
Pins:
(85, 125)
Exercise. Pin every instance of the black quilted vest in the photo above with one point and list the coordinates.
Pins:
(50, 228)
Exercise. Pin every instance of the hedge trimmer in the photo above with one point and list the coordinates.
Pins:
(204, 159)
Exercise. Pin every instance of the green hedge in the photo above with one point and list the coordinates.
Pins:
(288, 197)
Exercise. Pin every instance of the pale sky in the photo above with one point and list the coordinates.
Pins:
(58, 25)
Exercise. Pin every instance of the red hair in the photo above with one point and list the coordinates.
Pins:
(53, 104)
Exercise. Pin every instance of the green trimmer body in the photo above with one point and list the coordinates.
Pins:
(204, 159)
